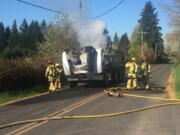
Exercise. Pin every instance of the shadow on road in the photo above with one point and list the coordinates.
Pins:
(67, 93)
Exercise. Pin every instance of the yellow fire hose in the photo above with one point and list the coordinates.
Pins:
(149, 97)
(101, 115)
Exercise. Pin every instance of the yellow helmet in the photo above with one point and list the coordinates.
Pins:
(57, 65)
(133, 59)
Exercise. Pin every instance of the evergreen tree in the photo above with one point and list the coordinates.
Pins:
(149, 23)
(124, 44)
(24, 28)
(116, 39)
(35, 36)
(43, 25)
(2, 40)
(24, 38)
(13, 50)
(14, 38)
(7, 34)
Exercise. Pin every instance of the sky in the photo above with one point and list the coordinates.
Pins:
(122, 19)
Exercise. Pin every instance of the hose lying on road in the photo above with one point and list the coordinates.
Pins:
(149, 97)
(89, 116)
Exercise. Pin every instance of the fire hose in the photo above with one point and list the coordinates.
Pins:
(101, 115)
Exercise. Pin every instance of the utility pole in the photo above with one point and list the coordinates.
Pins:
(80, 8)
(142, 46)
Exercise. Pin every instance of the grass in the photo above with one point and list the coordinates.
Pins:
(177, 80)
(9, 96)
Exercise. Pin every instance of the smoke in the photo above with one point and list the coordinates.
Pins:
(90, 33)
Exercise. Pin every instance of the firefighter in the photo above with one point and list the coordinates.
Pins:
(50, 75)
(58, 76)
(132, 68)
(145, 69)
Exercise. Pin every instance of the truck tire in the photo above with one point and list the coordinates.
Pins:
(73, 84)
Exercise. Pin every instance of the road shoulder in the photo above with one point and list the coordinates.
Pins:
(171, 93)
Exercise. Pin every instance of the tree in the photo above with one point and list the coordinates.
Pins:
(124, 44)
(172, 38)
(24, 28)
(149, 23)
(24, 37)
(2, 39)
(14, 38)
(58, 37)
(174, 11)
(13, 50)
(134, 49)
(7, 35)
(135, 36)
(43, 25)
(35, 36)
(116, 39)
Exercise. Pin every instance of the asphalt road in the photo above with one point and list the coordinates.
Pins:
(90, 101)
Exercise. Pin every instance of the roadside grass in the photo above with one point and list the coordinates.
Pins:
(177, 80)
(9, 96)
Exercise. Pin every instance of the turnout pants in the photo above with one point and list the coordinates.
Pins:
(58, 83)
(52, 84)
(132, 81)
(145, 81)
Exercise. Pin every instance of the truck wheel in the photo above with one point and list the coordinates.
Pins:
(73, 84)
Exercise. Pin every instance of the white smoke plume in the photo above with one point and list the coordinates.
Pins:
(90, 33)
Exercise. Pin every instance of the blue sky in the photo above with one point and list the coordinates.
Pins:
(122, 19)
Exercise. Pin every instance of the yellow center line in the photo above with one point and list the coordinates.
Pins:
(39, 124)
(61, 112)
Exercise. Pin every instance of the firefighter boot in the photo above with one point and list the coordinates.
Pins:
(129, 83)
(134, 83)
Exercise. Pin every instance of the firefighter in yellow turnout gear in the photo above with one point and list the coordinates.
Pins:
(58, 76)
(132, 68)
(145, 69)
(50, 75)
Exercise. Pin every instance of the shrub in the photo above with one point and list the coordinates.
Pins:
(21, 73)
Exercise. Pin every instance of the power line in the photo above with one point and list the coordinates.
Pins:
(109, 10)
(38, 6)
(59, 12)
(105, 4)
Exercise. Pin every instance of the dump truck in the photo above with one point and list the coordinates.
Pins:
(91, 64)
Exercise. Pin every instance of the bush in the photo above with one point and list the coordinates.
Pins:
(21, 73)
